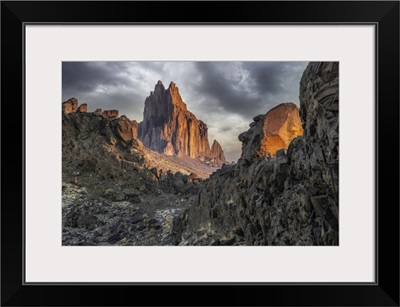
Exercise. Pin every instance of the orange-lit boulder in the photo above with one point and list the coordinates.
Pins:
(272, 131)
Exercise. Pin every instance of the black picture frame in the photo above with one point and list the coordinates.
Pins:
(383, 14)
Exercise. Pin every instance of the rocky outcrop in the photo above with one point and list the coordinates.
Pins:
(109, 113)
(122, 130)
(290, 198)
(106, 150)
(271, 132)
(127, 129)
(69, 106)
(217, 153)
(111, 194)
(169, 128)
(91, 145)
(82, 108)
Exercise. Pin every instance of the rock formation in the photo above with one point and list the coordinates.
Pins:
(82, 108)
(288, 199)
(217, 153)
(69, 106)
(109, 113)
(271, 132)
(127, 129)
(168, 127)
(109, 190)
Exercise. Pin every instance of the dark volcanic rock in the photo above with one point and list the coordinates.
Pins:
(290, 198)
(92, 147)
(105, 222)
(110, 195)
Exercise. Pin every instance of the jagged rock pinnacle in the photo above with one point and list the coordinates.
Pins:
(168, 127)
(217, 153)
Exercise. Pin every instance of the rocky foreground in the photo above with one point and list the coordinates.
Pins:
(115, 192)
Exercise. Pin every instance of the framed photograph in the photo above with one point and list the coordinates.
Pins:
(200, 148)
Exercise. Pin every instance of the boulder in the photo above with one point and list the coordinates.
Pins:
(271, 132)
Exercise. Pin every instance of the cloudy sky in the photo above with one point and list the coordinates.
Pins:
(225, 95)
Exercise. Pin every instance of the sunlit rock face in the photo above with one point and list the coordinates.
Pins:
(72, 106)
(69, 106)
(271, 132)
(217, 153)
(281, 125)
(169, 128)
(82, 108)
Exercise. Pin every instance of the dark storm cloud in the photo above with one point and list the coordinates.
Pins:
(249, 88)
(225, 95)
(86, 76)
(107, 85)
(220, 89)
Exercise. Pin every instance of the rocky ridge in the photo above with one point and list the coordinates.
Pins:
(290, 198)
(113, 193)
